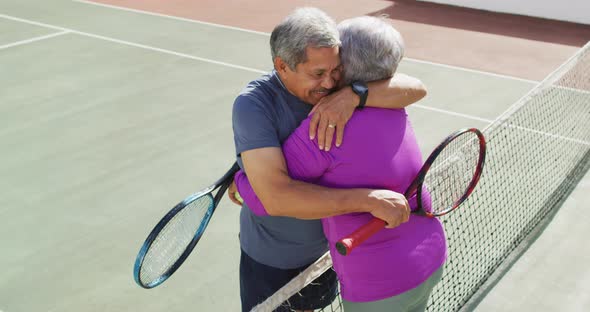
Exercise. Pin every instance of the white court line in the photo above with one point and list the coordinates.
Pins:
(171, 17)
(475, 71)
(27, 41)
(267, 34)
(555, 136)
(137, 45)
(447, 112)
(64, 30)
(489, 121)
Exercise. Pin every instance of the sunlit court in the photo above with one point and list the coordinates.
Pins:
(111, 112)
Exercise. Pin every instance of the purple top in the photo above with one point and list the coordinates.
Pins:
(379, 151)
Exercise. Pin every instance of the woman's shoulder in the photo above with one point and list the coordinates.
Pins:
(377, 117)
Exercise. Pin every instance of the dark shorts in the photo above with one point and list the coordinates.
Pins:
(259, 281)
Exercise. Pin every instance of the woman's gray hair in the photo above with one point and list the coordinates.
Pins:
(371, 49)
(302, 28)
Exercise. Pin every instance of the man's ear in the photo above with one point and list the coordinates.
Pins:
(280, 65)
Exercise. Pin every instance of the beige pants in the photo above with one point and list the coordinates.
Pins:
(414, 300)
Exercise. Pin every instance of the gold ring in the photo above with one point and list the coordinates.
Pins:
(331, 126)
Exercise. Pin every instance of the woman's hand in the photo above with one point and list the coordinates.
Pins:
(232, 193)
(331, 115)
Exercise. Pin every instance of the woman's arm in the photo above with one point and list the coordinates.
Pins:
(247, 193)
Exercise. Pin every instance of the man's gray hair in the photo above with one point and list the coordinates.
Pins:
(371, 49)
(302, 28)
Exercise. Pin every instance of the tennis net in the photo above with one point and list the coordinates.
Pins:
(537, 152)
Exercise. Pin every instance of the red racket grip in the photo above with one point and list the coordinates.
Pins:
(350, 242)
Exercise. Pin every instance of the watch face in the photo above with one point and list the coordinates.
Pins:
(362, 90)
(359, 87)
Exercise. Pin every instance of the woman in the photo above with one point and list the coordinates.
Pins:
(396, 269)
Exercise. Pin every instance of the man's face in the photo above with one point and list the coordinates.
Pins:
(315, 78)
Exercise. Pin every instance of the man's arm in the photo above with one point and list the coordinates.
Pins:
(337, 108)
(398, 92)
(304, 163)
(283, 196)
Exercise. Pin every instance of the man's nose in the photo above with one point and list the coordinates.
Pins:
(328, 82)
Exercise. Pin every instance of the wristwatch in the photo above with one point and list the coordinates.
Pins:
(362, 90)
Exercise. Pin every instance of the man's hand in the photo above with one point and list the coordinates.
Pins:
(330, 115)
(391, 207)
(231, 193)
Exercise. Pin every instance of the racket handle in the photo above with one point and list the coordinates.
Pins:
(350, 242)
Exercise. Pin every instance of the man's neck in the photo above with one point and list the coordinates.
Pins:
(280, 81)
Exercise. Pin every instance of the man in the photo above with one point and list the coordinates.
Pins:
(305, 51)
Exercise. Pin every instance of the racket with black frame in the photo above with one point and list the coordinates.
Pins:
(446, 180)
(177, 233)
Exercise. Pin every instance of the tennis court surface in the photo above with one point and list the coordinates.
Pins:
(110, 114)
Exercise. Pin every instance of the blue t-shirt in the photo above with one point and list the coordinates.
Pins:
(264, 115)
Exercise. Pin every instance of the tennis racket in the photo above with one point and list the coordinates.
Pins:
(177, 233)
(446, 179)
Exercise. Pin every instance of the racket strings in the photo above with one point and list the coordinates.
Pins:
(171, 242)
(451, 174)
